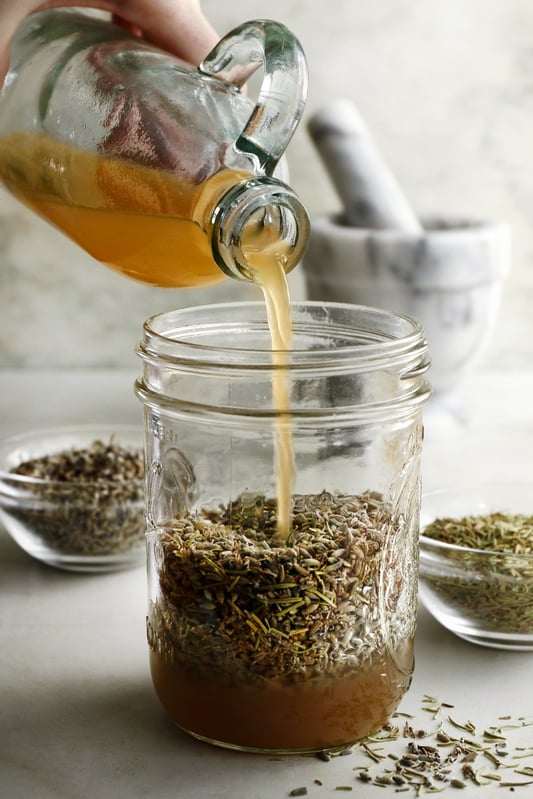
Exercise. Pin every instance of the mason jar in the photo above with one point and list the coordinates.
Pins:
(293, 636)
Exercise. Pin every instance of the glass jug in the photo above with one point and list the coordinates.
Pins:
(305, 642)
(162, 171)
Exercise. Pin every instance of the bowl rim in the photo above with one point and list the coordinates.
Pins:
(463, 488)
(13, 440)
(443, 545)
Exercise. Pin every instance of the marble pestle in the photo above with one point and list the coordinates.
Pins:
(370, 194)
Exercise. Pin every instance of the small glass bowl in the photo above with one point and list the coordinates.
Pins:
(91, 526)
(482, 596)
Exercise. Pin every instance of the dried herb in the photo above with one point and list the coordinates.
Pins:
(236, 603)
(81, 501)
(445, 759)
(493, 532)
(494, 584)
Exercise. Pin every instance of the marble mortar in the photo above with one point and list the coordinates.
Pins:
(449, 277)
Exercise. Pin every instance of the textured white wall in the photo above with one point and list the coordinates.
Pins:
(447, 89)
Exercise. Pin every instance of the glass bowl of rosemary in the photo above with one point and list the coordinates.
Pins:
(73, 497)
(476, 562)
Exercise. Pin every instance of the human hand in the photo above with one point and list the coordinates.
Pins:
(177, 26)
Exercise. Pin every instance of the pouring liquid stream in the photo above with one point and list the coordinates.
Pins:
(267, 266)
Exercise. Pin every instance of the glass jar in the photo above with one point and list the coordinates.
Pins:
(261, 641)
(162, 171)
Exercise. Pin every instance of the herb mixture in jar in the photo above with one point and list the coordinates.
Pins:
(268, 627)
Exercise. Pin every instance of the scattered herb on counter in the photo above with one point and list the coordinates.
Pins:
(495, 583)
(441, 758)
(91, 502)
(419, 761)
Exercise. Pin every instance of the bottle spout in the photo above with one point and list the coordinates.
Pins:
(256, 222)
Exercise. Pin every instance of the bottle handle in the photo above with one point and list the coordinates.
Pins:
(283, 90)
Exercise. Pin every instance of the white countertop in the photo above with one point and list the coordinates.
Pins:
(78, 715)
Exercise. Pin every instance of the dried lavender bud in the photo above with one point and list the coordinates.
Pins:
(398, 779)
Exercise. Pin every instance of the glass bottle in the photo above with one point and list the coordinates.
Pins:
(262, 639)
(162, 171)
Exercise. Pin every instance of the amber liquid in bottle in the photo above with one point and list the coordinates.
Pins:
(135, 219)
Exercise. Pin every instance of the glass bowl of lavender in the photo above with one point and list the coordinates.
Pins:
(476, 562)
(73, 497)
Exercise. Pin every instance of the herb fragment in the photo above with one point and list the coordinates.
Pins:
(467, 727)
(383, 780)
(448, 762)
(527, 771)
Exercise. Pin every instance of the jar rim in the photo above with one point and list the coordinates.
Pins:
(356, 337)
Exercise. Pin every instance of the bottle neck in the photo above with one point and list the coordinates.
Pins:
(255, 222)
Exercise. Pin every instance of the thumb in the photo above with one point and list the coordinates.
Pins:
(177, 26)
